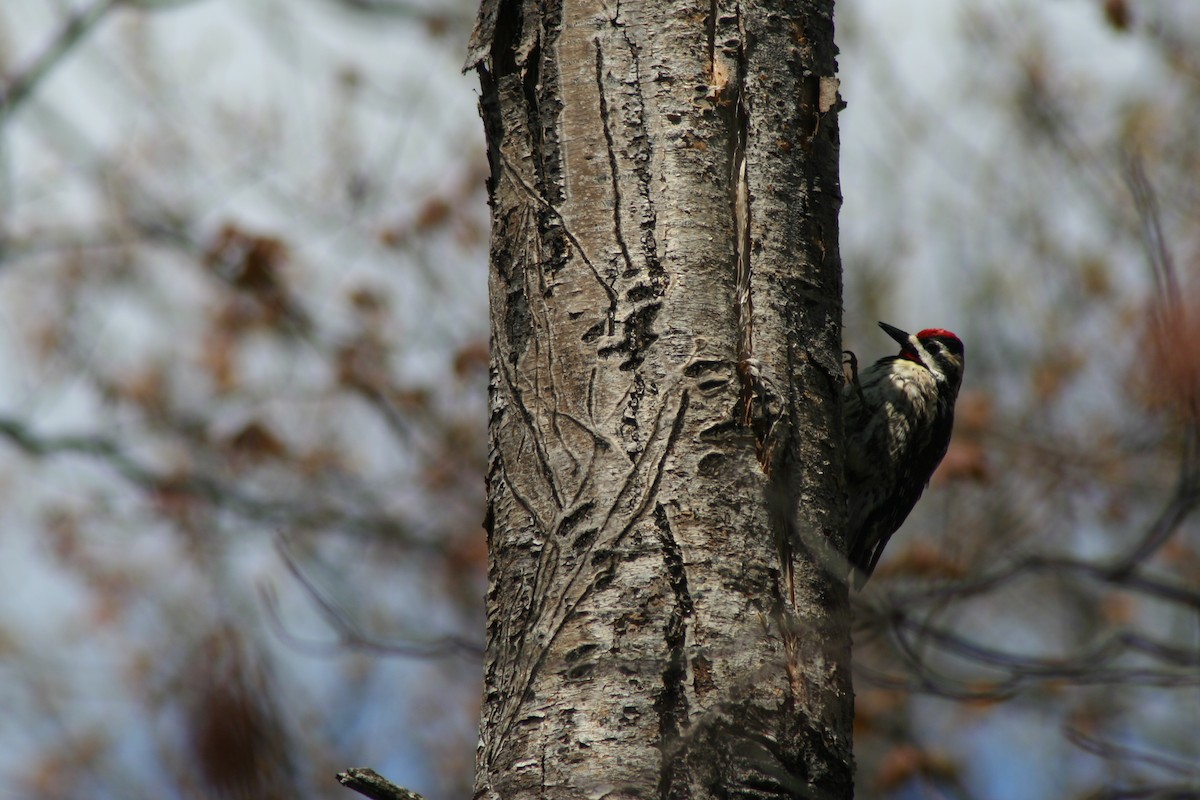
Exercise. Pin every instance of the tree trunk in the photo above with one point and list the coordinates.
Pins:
(665, 614)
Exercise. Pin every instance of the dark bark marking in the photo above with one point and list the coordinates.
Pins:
(671, 704)
(629, 421)
(580, 652)
(501, 63)
(638, 328)
(518, 321)
(582, 671)
(533, 115)
(700, 365)
(720, 430)
(566, 527)
(640, 292)
(702, 679)
(545, 204)
(498, 76)
(543, 106)
(643, 153)
(712, 386)
(591, 394)
(611, 150)
(585, 539)
(711, 464)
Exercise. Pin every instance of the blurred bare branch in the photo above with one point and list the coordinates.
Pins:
(404, 9)
(1113, 751)
(1029, 565)
(1169, 332)
(350, 634)
(1158, 252)
(20, 87)
(208, 338)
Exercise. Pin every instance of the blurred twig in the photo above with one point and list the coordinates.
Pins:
(1111, 750)
(405, 10)
(1090, 666)
(982, 584)
(1168, 314)
(78, 24)
(349, 633)
(220, 493)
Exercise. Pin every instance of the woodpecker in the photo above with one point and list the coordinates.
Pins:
(898, 417)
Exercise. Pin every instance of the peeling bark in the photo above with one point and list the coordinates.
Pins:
(665, 613)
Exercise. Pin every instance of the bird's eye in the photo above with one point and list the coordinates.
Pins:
(953, 347)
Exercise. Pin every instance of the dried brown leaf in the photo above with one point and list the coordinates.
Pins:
(255, 442)
(1118, 14)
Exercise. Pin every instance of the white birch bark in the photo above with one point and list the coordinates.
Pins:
(664, 616)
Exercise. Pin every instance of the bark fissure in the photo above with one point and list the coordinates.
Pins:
(534, 123)
(758, 406)
(544, 107)
(642, 156)
(672, 701)
(549, 209)
(613, 171)
(739, 183)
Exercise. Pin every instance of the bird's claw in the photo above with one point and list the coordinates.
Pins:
(851, 360)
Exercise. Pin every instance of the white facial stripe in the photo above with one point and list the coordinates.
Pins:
(927, 359)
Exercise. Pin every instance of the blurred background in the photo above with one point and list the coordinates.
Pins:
(243, 351)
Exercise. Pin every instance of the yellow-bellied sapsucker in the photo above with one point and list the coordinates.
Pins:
(898, 416)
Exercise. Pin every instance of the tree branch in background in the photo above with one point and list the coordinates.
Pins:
(1173, 365)
(350, 635)
(77, 25)
(370, 783)
(426, 13)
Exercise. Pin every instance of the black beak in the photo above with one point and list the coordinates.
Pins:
(897, 334)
